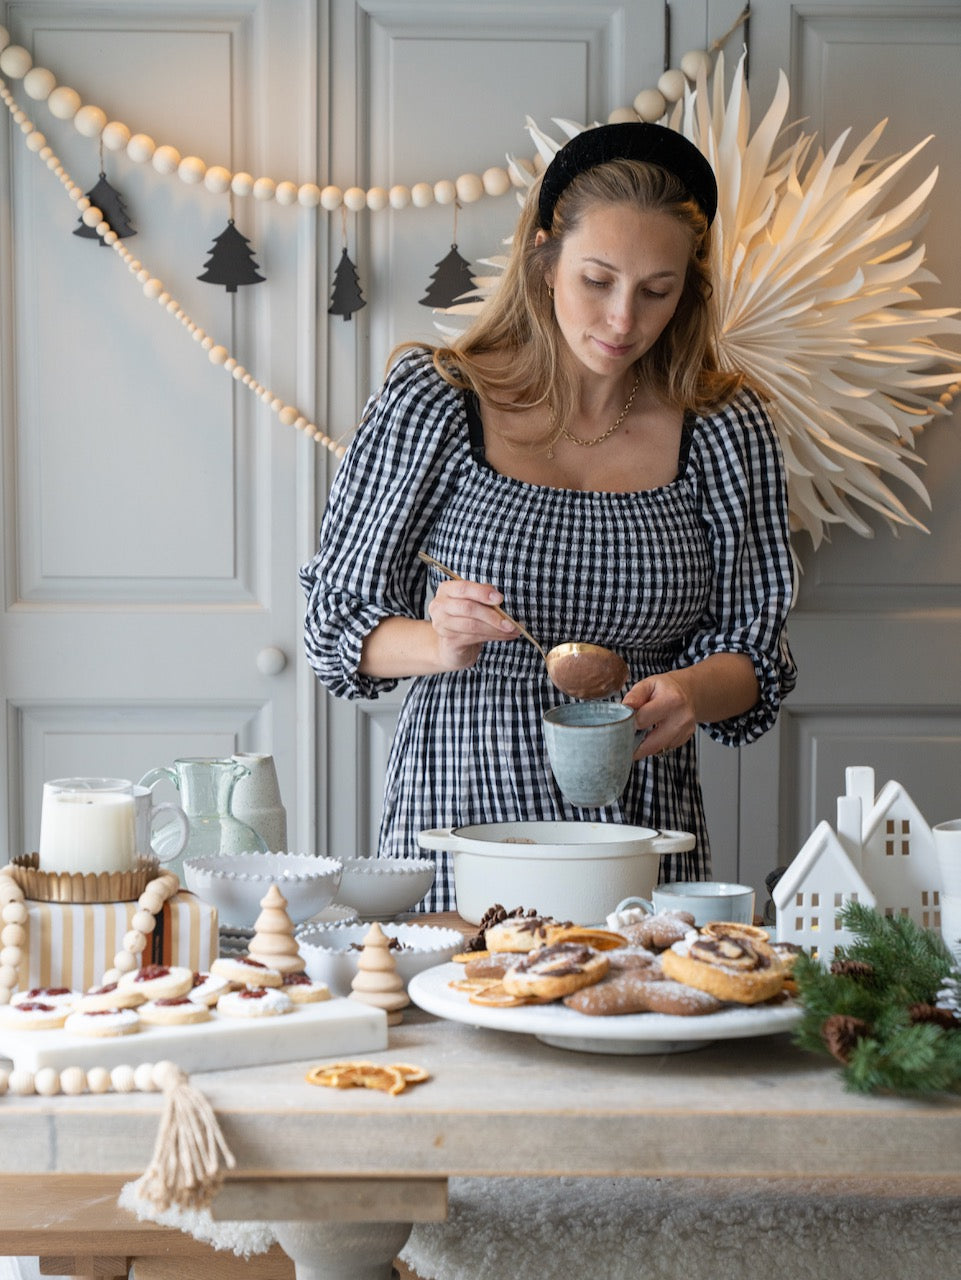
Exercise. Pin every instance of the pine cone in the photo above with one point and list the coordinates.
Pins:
(841, 1034)
(852, 968)
(931, 1013)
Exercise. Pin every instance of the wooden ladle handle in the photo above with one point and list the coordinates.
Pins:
(442, 568)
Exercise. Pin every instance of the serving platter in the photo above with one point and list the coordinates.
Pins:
(635, 1033)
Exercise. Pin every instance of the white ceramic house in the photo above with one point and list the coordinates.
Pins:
(810, 894)
(898, 857)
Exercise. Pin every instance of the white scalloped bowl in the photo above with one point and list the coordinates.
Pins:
(331, 952)
(383, 888)
(235, 883)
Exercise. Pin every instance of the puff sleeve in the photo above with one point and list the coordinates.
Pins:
(404, 459)
(741, 490)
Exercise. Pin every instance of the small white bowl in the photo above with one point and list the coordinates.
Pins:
(331, 952)
(383, 888)
(235, 883)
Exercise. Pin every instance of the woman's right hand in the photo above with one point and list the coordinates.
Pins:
(465, 618)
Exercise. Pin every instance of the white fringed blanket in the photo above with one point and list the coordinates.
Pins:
(688, 1229)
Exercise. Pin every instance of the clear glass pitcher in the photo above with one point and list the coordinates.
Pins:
(206, 787)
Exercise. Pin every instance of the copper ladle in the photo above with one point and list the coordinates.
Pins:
(579, 669)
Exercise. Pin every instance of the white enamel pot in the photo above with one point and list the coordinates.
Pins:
(576, 871)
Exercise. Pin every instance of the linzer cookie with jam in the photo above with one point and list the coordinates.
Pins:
(155, 981)
(732, 966)
(254, 1002)
(245, 971)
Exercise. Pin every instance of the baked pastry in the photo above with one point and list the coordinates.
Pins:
(208, 988)
(32, 1015)
(659, 931)
(110, 996)
(254, 1002)
(303, 990)
(103, 1022)
(733, 929)
(155, 981)
(173, 1011)
(58, 997)
(741, 969)
(556, 970)
(522, 933)
(641, 991)
(245, 971)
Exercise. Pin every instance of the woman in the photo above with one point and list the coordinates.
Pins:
(578, 455)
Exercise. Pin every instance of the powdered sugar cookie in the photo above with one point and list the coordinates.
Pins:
(58, 997)
(302, 990)
(254, 1002)
(555, 971)
(245, 971)
(32, 1015)
(103, 1022)
(208, 988)
(173, 1011)
(158, 981)
(110, 996)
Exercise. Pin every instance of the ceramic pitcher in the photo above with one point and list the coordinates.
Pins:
(257, 799)
(206, 787)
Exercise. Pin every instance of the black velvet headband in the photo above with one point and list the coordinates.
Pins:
(651, 143)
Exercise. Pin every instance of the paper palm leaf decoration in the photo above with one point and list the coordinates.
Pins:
(817, 300)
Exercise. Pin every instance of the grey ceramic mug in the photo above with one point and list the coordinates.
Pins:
(591, 747)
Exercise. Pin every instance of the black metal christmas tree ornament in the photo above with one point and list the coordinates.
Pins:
(110, 203)
(345, 297)
(450, 281)
(231, 262)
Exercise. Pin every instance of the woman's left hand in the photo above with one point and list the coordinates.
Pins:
(665, 709)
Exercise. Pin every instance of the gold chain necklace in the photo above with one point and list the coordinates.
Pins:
(589, 444)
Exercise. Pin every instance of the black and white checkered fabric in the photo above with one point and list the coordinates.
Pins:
(665, 577)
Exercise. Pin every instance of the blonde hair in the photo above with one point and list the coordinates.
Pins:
(681, 368)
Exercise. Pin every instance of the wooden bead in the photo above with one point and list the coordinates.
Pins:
(98, 1080)
(122, 1078)
(15, 61)
(308, 195)
(622, 115)
(39, 83)
(10, 956)
(8, 977)
(13, 935)
(650, 105)
(92, 216)
(355, 198)
(125, 962)
(496, 181)
(165, 159)
(445, 192)
(110, 976)
(36, 141)
(134, 942)
(10, 891)
(672, 84)
(331, 198)
(264, 189)
(400, 196)
(286, 193)
(191, 170)
(695, 62)
(73, 1081)
(115, 136)
(46, 1081)
(241, 184)
(144, 921)
(287, 415)
(143, 1077)
(140, 148)
(20, 1082)
(14, 913)
(6, 994)
(89, 121)
(165, 1073)
(378, 198)
(64, 102)
(469, 188)
(153, 288)
(217, 355)
(217, 179)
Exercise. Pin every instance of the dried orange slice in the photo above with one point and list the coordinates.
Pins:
(388, 1077)
(599, 939)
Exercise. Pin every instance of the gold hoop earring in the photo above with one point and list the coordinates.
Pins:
(550, 292)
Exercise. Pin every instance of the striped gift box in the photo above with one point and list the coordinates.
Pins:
(71, 945)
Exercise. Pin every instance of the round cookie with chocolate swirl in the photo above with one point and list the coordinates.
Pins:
(739, 968)
(522, 933)
(556, 970)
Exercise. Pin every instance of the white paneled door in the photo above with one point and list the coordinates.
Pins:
(151, 500)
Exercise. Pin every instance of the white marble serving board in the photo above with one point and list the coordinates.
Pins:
(322, 1030)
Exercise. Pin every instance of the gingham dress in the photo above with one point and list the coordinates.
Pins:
(665, 577)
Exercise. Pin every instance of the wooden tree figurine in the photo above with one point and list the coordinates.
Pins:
(377, 981)
(273, 943)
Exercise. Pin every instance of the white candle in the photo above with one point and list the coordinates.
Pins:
(86, 831)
